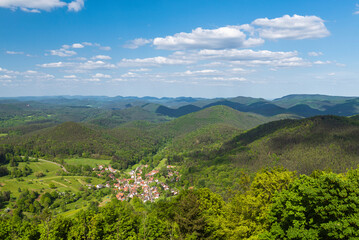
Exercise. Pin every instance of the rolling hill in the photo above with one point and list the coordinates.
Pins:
(317, 143)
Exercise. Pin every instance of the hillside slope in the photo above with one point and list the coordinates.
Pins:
(317, 143)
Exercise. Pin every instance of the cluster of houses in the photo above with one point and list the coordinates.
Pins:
(147, 187)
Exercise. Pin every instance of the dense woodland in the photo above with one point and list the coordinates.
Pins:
(259, 173)
(277, 204)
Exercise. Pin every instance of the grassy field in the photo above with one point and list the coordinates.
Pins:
(3, 135)
(62, 183)
(87, 161)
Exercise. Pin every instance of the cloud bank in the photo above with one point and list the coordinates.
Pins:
(36, 6)
(294, 27)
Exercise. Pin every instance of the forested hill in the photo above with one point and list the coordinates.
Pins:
(131, 142)
(106, 112)
(323, 142)
(317, 143)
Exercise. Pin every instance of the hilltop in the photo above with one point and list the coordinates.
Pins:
(317, 143)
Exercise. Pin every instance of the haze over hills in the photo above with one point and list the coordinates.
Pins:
(118, 110)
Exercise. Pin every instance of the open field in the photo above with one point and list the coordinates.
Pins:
(62, 183)
(87, 161)
(3, 135)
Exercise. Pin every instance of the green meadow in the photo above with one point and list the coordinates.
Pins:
(52, 177)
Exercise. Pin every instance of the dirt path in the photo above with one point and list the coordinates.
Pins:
(59, 183)
(58, 164)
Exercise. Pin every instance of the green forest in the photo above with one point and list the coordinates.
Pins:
(67, 167)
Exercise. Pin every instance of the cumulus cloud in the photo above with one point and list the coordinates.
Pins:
(315, 54)
(76, 5)
(322, 62)
(33, 6)
(204, 72)
(28, 5)
(14, 53)
(17, 77)
(243, 54)
(140, 70)
(5, 77)
(137, 43)
(129, 75)
(70, 76)
(66, 50)
(30, 10)
(357, 9)
(221, 58)
(77, 45)
(240, 36)
(102, 57)
(220, 38)
(101, 75)
(154, 61)
(248, 57)
(295, 27)
(62, 52)
(79, 66)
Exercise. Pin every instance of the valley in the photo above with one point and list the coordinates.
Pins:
(224, 166)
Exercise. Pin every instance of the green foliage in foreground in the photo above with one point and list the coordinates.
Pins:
(277, 205)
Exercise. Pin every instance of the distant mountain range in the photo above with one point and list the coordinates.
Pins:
(112, 112)
(300, 105)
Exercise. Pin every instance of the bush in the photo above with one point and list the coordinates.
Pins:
(39, 174)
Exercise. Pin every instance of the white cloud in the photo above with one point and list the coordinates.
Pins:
(322, 62)
(315, 54)
(201, 72)
(26, 76)
(220, 38)
(222, 58)
(35, 6)
(331, 74)
(29, 5)
(5, 77)
(295, 27)
(30, 10)
(356, 11)
(137, 43)
(129, 75)
(79, 66)
(62, 52)
(77, 45)
(102, 57)
(101, 75)
(76, 5)
(154, 61)
(243, 54)
(53, 65)
(241, 36)
(14, 53)
(70, 76)
(285, 62)
(140, 70)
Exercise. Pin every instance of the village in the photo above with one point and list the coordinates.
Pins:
(144, 184)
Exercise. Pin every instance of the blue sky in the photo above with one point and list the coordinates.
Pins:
(201, 48)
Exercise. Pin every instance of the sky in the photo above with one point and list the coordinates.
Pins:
(172, 48)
